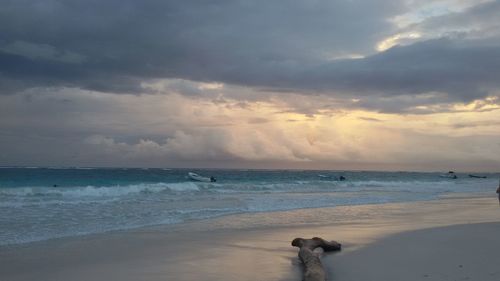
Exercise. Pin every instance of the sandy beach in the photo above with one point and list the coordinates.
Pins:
(447, 239)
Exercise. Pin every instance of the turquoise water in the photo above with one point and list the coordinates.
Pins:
(44, 203)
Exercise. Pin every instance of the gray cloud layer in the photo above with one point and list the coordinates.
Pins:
(113, 46)
(119, 43)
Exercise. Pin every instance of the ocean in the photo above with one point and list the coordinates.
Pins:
(44, 203)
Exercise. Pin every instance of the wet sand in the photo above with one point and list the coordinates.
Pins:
(448, 239)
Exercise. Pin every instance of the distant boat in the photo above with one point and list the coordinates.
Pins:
(477, 177)
(196, 177)
(341, 178)
(449, 175)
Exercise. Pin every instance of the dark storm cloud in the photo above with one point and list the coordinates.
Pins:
(441, 65)
(113, 46)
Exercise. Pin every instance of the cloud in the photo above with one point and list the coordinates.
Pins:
(41, 51)
(486, 123)
(370, 119)
(124, 46)
(127, 42)
(76, 127)
(463, 72)
(208, 145)
(476, 21)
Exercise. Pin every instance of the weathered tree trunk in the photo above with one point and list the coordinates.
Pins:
(313, 269)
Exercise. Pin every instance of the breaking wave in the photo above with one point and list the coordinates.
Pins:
(100, 191)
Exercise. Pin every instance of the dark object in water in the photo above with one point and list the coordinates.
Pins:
(477, 177)
(449, 175)
(342, 178)
(313, 269)
(213, 179)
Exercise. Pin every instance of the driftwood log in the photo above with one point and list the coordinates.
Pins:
(313, 269)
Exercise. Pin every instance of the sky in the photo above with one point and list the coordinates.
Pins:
(297, 84)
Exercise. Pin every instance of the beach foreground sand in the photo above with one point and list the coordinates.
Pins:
(448, 239)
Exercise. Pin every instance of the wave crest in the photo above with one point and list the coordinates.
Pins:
(99, 191)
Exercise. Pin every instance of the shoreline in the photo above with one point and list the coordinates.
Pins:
(235, 247)
(208, 222)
